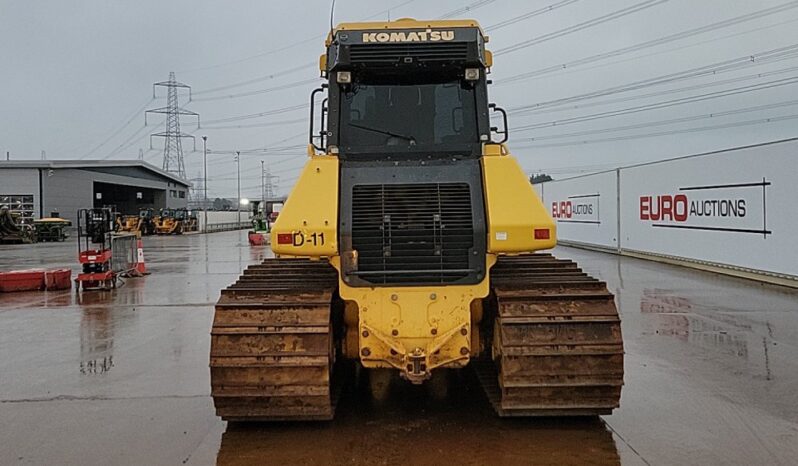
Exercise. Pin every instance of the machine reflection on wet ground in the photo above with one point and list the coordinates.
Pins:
(122, 377)
(413, 426)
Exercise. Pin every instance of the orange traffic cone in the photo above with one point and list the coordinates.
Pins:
(140, 268)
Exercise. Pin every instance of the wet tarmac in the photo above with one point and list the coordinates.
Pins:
(121, 377)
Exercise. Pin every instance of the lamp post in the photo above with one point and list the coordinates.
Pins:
(238, 201)
(262, 188)
(205, 182)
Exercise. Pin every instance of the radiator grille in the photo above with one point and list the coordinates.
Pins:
(412, 233)
(393, 53)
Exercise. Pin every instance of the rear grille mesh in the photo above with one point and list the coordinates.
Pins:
(412, 233)
(393, 53)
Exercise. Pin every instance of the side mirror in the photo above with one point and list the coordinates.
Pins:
(505, 132)
(312, 137)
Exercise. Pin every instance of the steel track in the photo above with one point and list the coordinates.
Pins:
(272, 349)
(556, 346)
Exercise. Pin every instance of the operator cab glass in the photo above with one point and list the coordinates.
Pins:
(390, 115)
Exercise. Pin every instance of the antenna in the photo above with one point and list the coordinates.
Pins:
(332, 14)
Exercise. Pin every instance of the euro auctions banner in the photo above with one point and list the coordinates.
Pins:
(585, 208)
(735, 207)
(739, 207)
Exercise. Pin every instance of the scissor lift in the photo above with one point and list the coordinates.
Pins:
(94, 249)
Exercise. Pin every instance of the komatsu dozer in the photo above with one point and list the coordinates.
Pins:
(410, 244)
(141, 224)
(175, 222)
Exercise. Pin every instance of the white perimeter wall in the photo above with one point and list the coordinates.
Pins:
(222, 217)
(733, 208)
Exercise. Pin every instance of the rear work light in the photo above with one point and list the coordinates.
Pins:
(542, 233)
(344, 77)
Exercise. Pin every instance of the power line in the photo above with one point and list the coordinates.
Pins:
(581, 26)
(769, 56)
(671, 49)
(250, 116)
(276, 111)
(259, 91)
(259, 152)
(118, 130)
(652, 43)
(258, 79)
(573, 169)
(531, 14)
(664, 133)
(286, 47)
(261, 125)
(662, 122)
(132, 139)
(664, 92)
(466, 9)
(661, 105)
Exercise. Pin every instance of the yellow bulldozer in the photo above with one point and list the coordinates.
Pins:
(176, 222)
(409, 245)
(142, 224)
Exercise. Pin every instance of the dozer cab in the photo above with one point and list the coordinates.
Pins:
(409, 244)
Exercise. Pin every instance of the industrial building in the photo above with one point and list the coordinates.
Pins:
(37, 188)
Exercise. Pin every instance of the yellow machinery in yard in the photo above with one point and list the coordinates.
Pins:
(166, 223)
(189, 219)
(176, 222)
(52, 228)
(408, 245)
(142, 224)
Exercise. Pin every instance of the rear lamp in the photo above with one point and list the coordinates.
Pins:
(542, 233)
(285, 238)
(344, 77)
(472, 74)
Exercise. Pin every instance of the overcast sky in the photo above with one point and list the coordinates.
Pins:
(77, 75)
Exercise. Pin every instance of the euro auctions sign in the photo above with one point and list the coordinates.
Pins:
(577, 209)
(729, 207)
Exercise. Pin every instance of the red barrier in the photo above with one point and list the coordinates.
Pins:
(58, 279)
(22, 280)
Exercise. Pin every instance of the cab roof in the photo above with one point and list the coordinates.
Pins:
(406, 23)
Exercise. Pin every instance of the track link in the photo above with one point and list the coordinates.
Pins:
(272, 350)
(557, 346)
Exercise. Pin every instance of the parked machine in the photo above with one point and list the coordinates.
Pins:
(52, 228)
(141, 224)
(94, 249)
(259, 235)
(190, 220)
(12, 231)
(176, 222)
(167, 224)
(408, 246)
